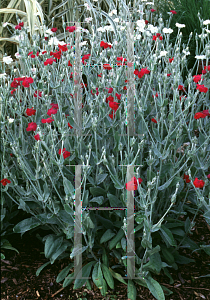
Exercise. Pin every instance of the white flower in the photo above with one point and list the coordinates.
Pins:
(5, 24)
(186, 52)
(33, 70)
(54, 41)
(202, 35)
(116, 20)
(141, 12)
(88, 19)
(148, 33)
(62, 43)
(122, 28)
(109, 28)
(138, 37)
(180, 25)
(200, 56)
(207, 22)
(163, 53)
(167, 30)
(7, 59)
(49, 31)
(83, 43)
(152, 28)
(3, 75)
(141, 23)
(10, 120)
(113, 12)
(102, 29)
(17, 55)
(207, 30)
(150, 3)
(115, 42)
(87, 6)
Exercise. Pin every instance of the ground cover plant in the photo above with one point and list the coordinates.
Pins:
(171, 165)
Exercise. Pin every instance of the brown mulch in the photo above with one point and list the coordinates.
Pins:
(19, 280)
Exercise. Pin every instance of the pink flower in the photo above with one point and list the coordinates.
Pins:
(31, 127)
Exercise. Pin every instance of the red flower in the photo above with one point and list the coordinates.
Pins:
(31, 127)
(49, 61)
(5, 181)
(43, 52)
(206, 112)
(158, 34)
(118, 96)
(54, 29)
(12, 92)
(112, 114)
(86, 56)
(152, 10)
(37, 137)
(11, 154)
(181, 88)
(70, 28)
(136, 72)
(121, 59)
(186, 177)
(52, 111)
(202, 88)
(198, 183)
(107, 67)
(197, 78)
(125, 88)
(46, 38)
(146, 22)
(70, 125)
(30, 111)
(173, 12)
(63, 47)
(171, 59)
(100, 75)
(110, 98)
(208, 176)
(39, 94)
(153, 120)
(105, 45)
(169, 74)
(207, 68)
(110, 90)
(143, 72)
(48, 120)
(55, 106)
(160, 38)
(26, 81)
(154, 37)
(69, 64)
(114, 105)
(65, 153)
(199, 115)
(132, 184)
(56, 54)
(21, 24)
(18, 27)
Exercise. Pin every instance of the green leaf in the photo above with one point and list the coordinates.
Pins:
(206, 248)
(131, 290)
(78, 250)
(97, 275)
(10, 248)
(26, 225)
(107, 236)
(105, 222)
(168, 235)
(155, 288)
(105, 258)
(165, 169)
(64, 273)
(116, 239)
(68, 280)
(118, 185)
(65, 217)
(98, 200)
(114, 201)
(68, 187)
(41, 268)
(59, 251)
(101, 178)
(68, 209)
(156, 135)
(168, 256)
(108, 276)
(2, 256)
(52, 244)
(104, 288)
(85, 272)
(180, 259)
(117, 276)
(97, 191)
(85, 198)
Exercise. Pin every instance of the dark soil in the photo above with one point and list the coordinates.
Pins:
(19, 280)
